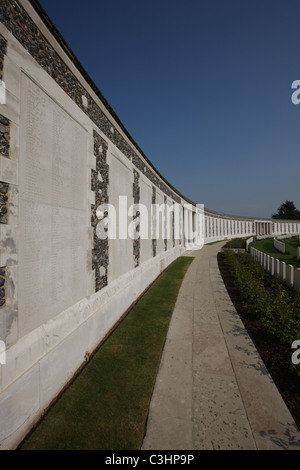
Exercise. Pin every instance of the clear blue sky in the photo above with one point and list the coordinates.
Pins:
(203, 87)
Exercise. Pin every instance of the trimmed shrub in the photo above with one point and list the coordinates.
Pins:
(265, 297)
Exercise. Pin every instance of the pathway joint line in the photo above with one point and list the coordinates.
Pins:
(217, 395)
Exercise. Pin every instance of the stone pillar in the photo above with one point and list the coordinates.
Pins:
(185, 227)
(191, 227)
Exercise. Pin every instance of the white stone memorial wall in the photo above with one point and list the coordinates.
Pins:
(65, 289)
(52, 222)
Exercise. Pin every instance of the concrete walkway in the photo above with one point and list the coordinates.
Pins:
(213, 390)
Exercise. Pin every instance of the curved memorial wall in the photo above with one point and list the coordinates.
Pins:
(86, 221)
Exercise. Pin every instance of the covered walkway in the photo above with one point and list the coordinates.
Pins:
(213, 390)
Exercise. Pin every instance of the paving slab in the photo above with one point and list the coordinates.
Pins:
(213, 391)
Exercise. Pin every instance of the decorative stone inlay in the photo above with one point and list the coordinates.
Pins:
(154, 241)
(19, 23)
(4, 187)
(136, 200)
(2, 286)
(3, 47)
(99, 184)
(4, 135)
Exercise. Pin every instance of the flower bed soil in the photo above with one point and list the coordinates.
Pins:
(275, 355)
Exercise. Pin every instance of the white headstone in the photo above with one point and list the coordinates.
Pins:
(297, 279)
(282, 271)
(290, 275)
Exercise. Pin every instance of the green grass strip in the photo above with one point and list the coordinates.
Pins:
(106, 407)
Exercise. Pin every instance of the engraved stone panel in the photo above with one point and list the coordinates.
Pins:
(52, 225)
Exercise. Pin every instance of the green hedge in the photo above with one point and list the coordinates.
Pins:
(236, 243)
(265, 297)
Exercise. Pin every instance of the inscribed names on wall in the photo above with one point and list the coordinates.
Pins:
(52, 218)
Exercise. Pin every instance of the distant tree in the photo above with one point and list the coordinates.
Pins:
(287, 210)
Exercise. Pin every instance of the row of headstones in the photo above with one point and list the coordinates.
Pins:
(285, 272)
(280, 246)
